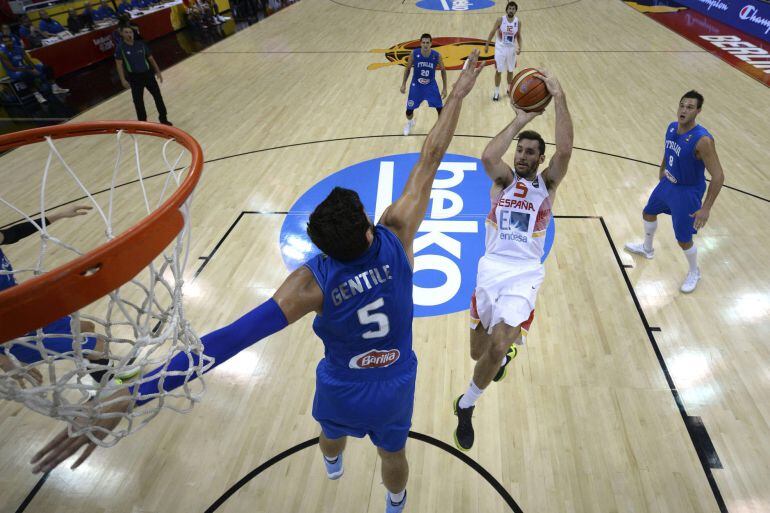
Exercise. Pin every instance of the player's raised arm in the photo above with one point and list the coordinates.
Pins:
(407, 212)
(297, 296)
(557, 167)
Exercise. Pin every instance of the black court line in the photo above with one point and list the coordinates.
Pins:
(33, 492)
(695, 428)
(429, 12)
(694, 425)
(412, 434)
(359, 137)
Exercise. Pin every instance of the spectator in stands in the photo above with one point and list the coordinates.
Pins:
(6, 31)
(195, 17)
(104, 12)
(87, 17)
(74, 22)
(30, 34)
(139, 4)
(135, 65)
(19, 67)
(124, 7)
(49, 26)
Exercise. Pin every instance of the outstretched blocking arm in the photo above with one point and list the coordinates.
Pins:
(557, 167)
(297, 296)
(707, 151)
(404, 216)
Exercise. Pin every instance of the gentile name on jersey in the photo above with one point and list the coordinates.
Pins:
(367, 280)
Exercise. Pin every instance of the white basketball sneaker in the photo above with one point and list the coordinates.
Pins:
(639, 249)
(409, 125)
(691, 281)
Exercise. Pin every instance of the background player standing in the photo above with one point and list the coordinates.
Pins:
(507, 34)
(424, 86)
(688, 151)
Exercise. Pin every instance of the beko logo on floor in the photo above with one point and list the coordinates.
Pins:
(449, 242)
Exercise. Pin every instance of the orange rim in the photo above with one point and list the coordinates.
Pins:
(43, 299)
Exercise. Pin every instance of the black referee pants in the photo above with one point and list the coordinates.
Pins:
(140, 81)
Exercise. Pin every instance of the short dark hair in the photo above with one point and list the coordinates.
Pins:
(426, 36)
(338, 225)
(695, 95)
(512, 4)
(533, 136)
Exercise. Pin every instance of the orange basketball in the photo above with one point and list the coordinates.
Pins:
(528, 91)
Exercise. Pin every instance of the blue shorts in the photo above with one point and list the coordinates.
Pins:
(680, 201)
(380, 409)
(52, 343)
(419, 94)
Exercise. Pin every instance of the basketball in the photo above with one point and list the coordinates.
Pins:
(528, 91)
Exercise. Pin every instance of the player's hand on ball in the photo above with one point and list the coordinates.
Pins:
(527, 116)
(467, 79)
(551, 82)
(701, 218)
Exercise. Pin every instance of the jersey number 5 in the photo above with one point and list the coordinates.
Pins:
(366, 316)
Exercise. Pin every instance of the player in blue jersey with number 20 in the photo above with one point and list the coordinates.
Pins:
(361, 291)
(423, 87)
(689, 151)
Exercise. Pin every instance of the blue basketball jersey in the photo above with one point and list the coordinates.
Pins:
(682, 166)
(366, 322)
(6, 273)
(424, 68)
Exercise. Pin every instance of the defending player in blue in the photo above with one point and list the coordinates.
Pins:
(424, 87)
(361, 291)
(689, 150)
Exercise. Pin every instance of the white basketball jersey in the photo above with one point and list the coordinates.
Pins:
(506, 36)
(517, 223)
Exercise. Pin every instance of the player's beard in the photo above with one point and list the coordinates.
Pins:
(531, 171)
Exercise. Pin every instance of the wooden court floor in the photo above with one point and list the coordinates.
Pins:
(624, 383)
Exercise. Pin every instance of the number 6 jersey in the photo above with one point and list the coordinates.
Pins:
(366, 322)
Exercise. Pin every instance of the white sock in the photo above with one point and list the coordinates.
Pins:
(332, 460)
(692, 258)
(497, 90)
(649, 233)
(470, 396)
(396, 498)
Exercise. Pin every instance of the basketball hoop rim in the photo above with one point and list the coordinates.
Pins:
(44, 298)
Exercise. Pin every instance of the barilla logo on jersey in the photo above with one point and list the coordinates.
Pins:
(448, 243)
(454, 52)
(454, 5)
(375, 359)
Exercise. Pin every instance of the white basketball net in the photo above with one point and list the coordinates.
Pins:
(133, 330)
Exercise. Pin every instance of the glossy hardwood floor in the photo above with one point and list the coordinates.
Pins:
(586, 420)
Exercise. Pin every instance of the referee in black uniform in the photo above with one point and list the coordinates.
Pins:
(133, 60)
